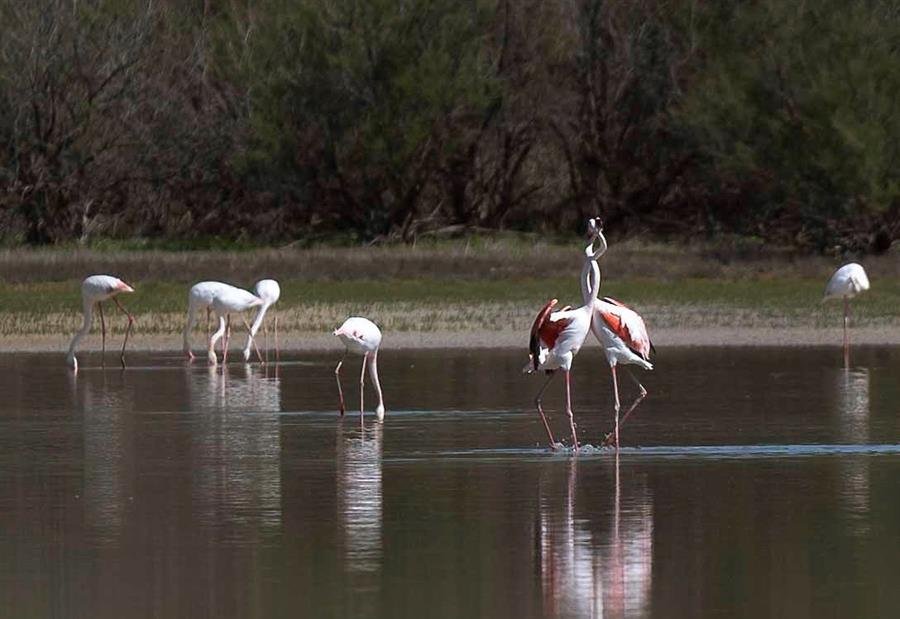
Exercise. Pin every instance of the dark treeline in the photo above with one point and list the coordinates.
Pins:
(278, 120)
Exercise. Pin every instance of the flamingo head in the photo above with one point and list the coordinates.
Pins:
(123, 287)
(595, 227)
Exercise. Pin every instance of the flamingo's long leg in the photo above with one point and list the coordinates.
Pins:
(569, 409)
(266, 340)
(846, 331)
(612, 369)
(362, 386)
(642, 393)
(127, 329)
(252, 339)
(337, 375)
(102, 336)
(275, 328)
(207, 322)
(540, 409)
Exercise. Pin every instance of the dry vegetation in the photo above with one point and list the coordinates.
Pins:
(480, 292)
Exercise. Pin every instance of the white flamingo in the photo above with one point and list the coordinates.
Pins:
(847, 282)
(556, 337)
(361, 336)
(223, 299)
(94, 290)
(269, 291)
(622, 335)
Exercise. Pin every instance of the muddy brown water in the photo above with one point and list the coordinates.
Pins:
(751, 482)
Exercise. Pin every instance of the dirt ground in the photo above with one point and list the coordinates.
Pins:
(317, 342)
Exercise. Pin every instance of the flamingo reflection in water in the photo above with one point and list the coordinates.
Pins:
(100, 401)
(591, 573)
(853, 413)
(359, 502)
(237, 472)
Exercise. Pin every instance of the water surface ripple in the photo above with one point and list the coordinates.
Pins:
(751, 482)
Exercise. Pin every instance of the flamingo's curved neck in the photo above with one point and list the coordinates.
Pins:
(373, 373)
(259, 317)
(590, 272)
(85, 329)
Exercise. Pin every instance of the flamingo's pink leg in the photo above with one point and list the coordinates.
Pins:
(102, 336)
(275, 329)
(127, 329)
(540, 409)
(846, 332)
(569, 409)
(642, 393)
(362, 385)
(612, 369)
(337, 375)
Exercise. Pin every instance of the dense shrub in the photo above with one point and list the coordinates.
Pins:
(282, 120)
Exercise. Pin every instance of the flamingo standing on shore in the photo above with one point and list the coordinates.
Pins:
(269, 291)
(362, 337)
(556, 337)
(223, 299)
(847, 282)
(622, 335)
(94, 290)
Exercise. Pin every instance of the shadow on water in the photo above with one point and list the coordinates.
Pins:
(751, 482)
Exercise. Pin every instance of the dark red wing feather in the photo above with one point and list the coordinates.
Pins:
(550, 330)
(534, 344)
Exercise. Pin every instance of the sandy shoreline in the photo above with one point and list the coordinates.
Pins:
(666, 337)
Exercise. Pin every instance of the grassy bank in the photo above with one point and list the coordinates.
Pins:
(448, 288)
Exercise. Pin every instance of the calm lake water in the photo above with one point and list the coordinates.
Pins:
(751, 483)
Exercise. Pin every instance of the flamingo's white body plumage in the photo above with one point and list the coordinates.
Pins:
(269, 291)
(847, 282)
(94, 290)
(361, 336)
(223, 299)
(557, 336)
(622, 333)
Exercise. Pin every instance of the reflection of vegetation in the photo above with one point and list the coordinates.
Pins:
(384, 119)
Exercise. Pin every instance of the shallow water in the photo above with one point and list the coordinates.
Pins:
(751, 482)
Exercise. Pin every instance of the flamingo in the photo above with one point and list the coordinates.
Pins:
(622, 335)
(363, 337)
(94, 290)
(269, 291)
(556, 337)
(847, 282)
(222, 299)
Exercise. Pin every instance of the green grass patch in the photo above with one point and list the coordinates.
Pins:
(460, 304)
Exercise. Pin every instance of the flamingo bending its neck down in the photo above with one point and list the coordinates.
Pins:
(269, 291)
(361, 336)
(847, 282)
(622, 335)
(222, 299)
(557, 336)
(94, 290)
